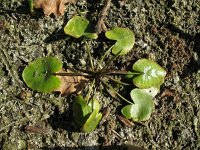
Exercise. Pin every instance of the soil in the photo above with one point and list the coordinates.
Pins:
(167, 31)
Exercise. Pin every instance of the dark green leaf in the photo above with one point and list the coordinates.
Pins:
(125, 40)
(38, 74)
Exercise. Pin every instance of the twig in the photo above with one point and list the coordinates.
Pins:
(100, 24)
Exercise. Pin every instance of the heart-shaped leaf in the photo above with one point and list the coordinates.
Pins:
(81, 111)
(151, 74)
(38, 75)
(141, 109)
(77, 26)
(125, 40)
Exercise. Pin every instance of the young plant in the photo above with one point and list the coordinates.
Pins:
(47, 75)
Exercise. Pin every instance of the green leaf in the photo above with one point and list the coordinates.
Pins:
(141, 109)
(94, 105)
(81, 110)
(125, 40)
(77, 27)
(152, 75)
(92, 122)
(153, 91)
(31, 5)
(91, 35)
(38, 74)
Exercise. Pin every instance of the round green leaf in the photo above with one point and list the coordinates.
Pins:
(81, 110)
(38, 74)
(125, 40)
(141, 109)
(152, 75)
(76, 26)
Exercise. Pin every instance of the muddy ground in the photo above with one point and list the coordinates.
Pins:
(167, 31)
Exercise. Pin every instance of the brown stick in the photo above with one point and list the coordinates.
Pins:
(100, 24)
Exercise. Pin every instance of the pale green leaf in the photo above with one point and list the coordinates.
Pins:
(151, 74)
(125, 40)
(141, 109)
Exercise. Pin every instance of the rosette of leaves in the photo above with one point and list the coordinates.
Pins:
(125, 40)
(142, 108)
(86, 115)
(146, 74)
(79, 26)
(38, 75)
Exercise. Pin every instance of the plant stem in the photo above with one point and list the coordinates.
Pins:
(90, 90)
(118, 81)
(110, 87)
(90, 57)
(122, 73)
(103, 57)
(109, 61)
(71, 74)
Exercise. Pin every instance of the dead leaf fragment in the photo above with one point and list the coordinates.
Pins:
(57, 7)
(70, 84)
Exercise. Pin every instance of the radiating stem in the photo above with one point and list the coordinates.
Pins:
(90, 57)
(122, 73)
(109, 62)
(90, 90)
(110, 87)
(118, 81)
(103, 57)
(71, 74)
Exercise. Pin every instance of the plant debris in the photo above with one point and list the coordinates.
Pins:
(57, 7)
(70, 84)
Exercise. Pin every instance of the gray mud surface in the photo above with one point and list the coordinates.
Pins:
(167, 31)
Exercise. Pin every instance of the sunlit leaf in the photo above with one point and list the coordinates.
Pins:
(151, 74)
(141, 109)
(81, 111)
(77, 26)
(92, 122)
(38, 74)
(94, 104)
(153, 91)
(125, 40)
